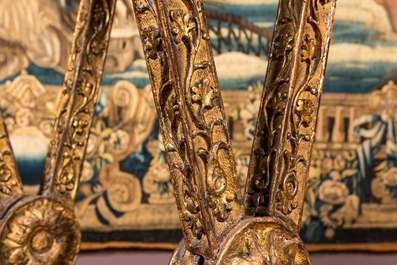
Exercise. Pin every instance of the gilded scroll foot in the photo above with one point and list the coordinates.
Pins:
(254, 241)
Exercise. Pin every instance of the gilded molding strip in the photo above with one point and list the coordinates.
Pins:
(285, 129)
(80, 94)
(192, 120)
(10, 182)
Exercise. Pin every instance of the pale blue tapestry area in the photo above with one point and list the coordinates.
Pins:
(33, 161)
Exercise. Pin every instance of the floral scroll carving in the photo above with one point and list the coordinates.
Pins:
(79, 95)
(10, 184)
(191, 117)
(289, 109)
(197, 143)
(6, 181)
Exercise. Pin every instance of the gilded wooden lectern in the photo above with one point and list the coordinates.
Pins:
(220, 225)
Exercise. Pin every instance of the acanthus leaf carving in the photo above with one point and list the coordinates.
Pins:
(152, 39)
(182, 25)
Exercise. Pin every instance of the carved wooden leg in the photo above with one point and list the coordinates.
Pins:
(193, 124)
(10, 182)
(285, 129)
(80, 94)
(217, 227)
(43, 229)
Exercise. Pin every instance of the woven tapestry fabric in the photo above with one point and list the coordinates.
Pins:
(126, 197)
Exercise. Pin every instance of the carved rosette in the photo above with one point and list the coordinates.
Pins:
(42, 231)
(80, 94)
(190, 110)
(287, 117)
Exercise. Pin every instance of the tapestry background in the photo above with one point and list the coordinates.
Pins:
(126, 197)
